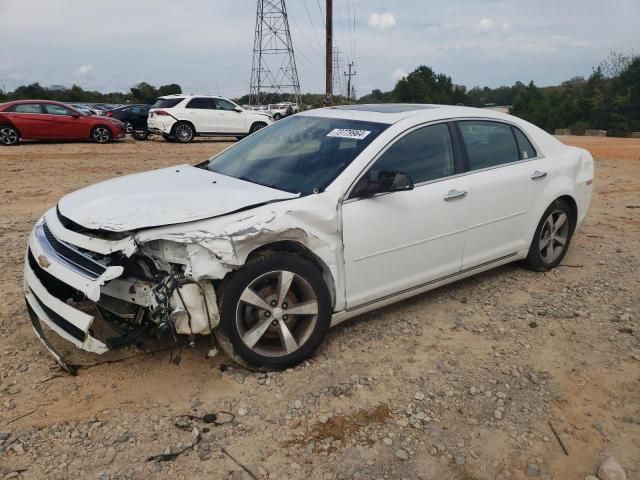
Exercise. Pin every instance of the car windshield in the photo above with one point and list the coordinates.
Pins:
(300, 154)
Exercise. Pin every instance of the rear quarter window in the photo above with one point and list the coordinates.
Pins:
(167, 102)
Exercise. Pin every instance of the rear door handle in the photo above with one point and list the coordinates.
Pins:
(453, 194)
(537, 175)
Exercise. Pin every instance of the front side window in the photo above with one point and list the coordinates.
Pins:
(57, 110)
(27, 108)
(225, 104)
(300, 154)
(488, 144)
(425, 154)
(202, 103)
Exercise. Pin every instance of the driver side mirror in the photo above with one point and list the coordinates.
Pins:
(388, 181)
(238, 109)
(75, 115)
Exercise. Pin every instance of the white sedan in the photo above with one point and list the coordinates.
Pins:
(316, 219)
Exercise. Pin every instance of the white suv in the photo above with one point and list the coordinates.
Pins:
(182, 117)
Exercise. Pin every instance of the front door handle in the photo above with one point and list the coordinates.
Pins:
(453, 194)
(537, 175)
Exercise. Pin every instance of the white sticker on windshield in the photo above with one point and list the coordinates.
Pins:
(348, 133)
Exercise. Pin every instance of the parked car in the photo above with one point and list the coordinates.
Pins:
(48, 120)
(321, 217)
(183, 117)
(134, 117)
(87, 110)
(283, 109)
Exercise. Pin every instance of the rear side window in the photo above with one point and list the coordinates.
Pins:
(425, 154)
(167, 102)
(488, 144)
(27, 108)
(202, 103)
(525, 148)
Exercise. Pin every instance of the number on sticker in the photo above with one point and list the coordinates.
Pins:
(348, 133)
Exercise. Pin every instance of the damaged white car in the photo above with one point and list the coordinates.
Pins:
(315, 219)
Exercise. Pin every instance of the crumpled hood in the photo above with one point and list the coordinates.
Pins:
(163, 197)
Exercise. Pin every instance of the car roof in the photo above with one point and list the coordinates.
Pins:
(35, 100)
(189, 95)
(391, 113)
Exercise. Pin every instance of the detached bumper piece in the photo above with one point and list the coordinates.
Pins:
(54, 272)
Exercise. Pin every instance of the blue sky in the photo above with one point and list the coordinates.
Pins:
(205, 45)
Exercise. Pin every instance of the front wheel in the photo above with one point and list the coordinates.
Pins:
(101, 134)
(9, 135)
(552, 237)
(275, 312)
(128, 126)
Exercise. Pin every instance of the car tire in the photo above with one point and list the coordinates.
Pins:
(183, 132)
(257, 126)
(552, 237)
(277, 116)
(266, 337)
(101, 134)
(128, 127)
(9, 135)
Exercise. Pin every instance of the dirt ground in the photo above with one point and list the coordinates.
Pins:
(460, 383)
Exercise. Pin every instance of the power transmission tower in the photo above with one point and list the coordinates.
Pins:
(351, 89)
(337, 67)
(273, 70)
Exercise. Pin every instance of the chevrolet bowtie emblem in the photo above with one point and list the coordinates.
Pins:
(43, 261)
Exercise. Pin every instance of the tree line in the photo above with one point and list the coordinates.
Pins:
(140, 93)
(609, 99)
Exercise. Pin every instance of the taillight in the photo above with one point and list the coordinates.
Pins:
(161, 112)
(109, 114)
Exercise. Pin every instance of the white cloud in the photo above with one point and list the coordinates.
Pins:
(505, 27)
(398, 74)
(382, 21)
(84, 70)
(485, 25)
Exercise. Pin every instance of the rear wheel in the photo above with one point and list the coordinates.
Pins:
(183, 132)
(553, 235)
(101, 134)
(9, 135)
(275, 312)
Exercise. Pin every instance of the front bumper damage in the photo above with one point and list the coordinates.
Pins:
(73, 284)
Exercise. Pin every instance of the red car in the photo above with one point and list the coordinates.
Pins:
(48, 120)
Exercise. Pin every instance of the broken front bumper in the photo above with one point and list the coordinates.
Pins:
(64, 277)
(53, 266)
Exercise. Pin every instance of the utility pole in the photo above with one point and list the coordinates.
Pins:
(349, 75)
(329, 49)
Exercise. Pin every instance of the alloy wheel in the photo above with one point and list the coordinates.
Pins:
(128, 127)
(101, 134)
(277, 313)
(554, 236)
(8, 136)
(184, 133)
